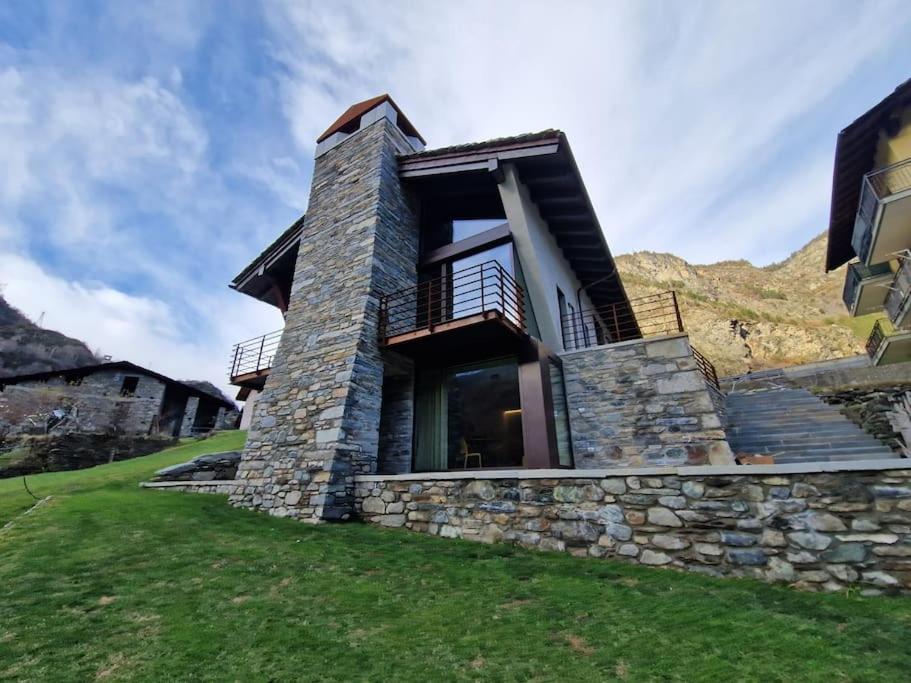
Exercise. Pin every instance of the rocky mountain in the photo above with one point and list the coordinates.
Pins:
(743, 317)
(25, 347)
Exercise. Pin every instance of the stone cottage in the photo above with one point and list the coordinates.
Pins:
(115, 397)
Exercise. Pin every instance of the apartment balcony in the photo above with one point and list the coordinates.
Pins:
(866, 287)
(883, 223)
(251, 360)
(480, 307)
(898, 298)
(886, 345)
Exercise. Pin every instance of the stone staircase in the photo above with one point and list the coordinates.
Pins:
(795, 426)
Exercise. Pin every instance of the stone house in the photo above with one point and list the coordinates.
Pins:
(456, 309)
(111, 397)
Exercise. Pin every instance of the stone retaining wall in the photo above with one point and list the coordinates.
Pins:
(642, 403)
(822, 527)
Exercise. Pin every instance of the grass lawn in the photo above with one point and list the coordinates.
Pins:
(108, 581)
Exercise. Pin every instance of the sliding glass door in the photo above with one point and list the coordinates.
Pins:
(469, 417)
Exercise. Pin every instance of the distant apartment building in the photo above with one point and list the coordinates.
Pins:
(870, 222)
(455, 309)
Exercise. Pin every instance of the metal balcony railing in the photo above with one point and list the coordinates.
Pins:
(646, 316)
(707, 368)
(877, 187)
(880, 332)
(899, 292)
(857, 273)
(483, 289)
(254, 355)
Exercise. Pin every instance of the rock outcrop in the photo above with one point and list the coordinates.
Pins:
(744, 317)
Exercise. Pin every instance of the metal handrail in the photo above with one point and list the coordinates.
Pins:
(647, 316)
(707, 368)
(891, 179)
(254, 355)
(485, 288)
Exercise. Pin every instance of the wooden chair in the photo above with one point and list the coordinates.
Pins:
(466, 455)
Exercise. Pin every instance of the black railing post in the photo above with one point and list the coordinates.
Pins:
(259, 358)
(483, 308)
(677, 311)
(234, 363)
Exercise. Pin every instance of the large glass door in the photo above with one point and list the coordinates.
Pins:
(469, 417)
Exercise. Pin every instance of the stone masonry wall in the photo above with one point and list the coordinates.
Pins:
(189, 416)
(95, 403)
(316, 422)
(642, 403)
(816, 530)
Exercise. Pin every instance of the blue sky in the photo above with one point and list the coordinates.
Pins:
(151, 149)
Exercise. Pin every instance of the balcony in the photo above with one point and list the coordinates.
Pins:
(898, 299)
(434, 317)
(886, 345)
(883, 223)
(251, 360)
(866, 287)
(647, 316)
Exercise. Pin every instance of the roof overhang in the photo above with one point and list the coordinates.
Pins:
(548, 169)
(269, 276)
(855, 154)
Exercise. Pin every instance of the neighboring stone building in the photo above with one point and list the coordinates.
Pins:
(117, 397)
(455, 309)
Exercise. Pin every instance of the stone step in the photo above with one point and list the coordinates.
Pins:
(823, 449)
(796, 426)
(797, 457)
(835, 428)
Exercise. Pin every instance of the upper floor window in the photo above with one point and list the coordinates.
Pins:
(129, 386)
(440, 233)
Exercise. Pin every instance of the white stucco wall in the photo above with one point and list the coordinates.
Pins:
(543, 263)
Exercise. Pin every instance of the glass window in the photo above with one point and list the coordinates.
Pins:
(440, 233)
(463, 229)
(469, 417)
(561, 414)
(477, 285)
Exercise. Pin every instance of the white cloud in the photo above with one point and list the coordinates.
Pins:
(141, 329)
(672, 109)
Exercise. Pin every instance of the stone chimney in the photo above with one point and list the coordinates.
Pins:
(316, 423)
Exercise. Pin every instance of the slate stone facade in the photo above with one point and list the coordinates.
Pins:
(316, 422)
(642, 403)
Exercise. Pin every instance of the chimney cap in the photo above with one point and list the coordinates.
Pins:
(349, 121)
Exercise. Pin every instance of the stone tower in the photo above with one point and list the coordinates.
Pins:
(316, 423)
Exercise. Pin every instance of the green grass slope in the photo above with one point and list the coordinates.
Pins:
(112, 582)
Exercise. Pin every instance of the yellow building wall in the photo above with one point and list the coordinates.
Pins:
(891, 150)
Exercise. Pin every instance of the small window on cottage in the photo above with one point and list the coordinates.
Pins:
(129, 386)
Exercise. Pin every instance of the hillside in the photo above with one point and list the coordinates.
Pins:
(25, 347)
(748, 318)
